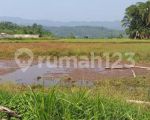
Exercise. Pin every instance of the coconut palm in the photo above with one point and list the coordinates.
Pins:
(137, 20)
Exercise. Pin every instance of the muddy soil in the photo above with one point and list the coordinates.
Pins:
(9, 71)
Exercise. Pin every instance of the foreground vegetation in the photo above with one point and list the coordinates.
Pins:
(56, 105)
(106, 101)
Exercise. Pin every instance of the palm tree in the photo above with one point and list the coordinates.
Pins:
(137, 20)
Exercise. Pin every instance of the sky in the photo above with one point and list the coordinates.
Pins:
(66, 10)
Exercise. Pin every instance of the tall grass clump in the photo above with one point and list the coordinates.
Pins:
(70, 105)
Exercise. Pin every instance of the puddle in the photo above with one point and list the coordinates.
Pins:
(45, 76)
(7, 64)
(52, 76)
(30, 76)
(2, 65)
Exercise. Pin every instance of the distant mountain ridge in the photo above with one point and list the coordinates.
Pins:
(116, 25)
(85, 32)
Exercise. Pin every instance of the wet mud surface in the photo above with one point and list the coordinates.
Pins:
(50, 75)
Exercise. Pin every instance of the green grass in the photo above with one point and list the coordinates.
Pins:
(106, 101)
(25, 40)
(114, 40)
(71, 105)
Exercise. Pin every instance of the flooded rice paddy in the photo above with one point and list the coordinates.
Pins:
(52, 76)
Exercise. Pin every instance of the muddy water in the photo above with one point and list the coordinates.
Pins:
(44, 75)
(51, 76)
(2, 65)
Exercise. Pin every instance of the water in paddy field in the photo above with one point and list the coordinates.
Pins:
(3, 65)
(47, 76)
(51, 76)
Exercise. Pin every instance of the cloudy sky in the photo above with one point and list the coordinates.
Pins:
(66, 10)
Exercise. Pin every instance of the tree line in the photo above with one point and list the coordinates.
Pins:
(137, 20)
(12, 28)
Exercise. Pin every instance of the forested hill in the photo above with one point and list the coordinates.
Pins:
(107, 24)
(85, 31)
(13, 28)
(65, 32)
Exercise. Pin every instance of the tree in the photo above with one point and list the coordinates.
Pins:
(137, 20)
(12, 28)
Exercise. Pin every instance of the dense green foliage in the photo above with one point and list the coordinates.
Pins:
(85, 32)
(73, 105)
(12, 28)
(137, 20)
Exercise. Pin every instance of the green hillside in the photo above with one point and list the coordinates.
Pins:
(85, 32)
